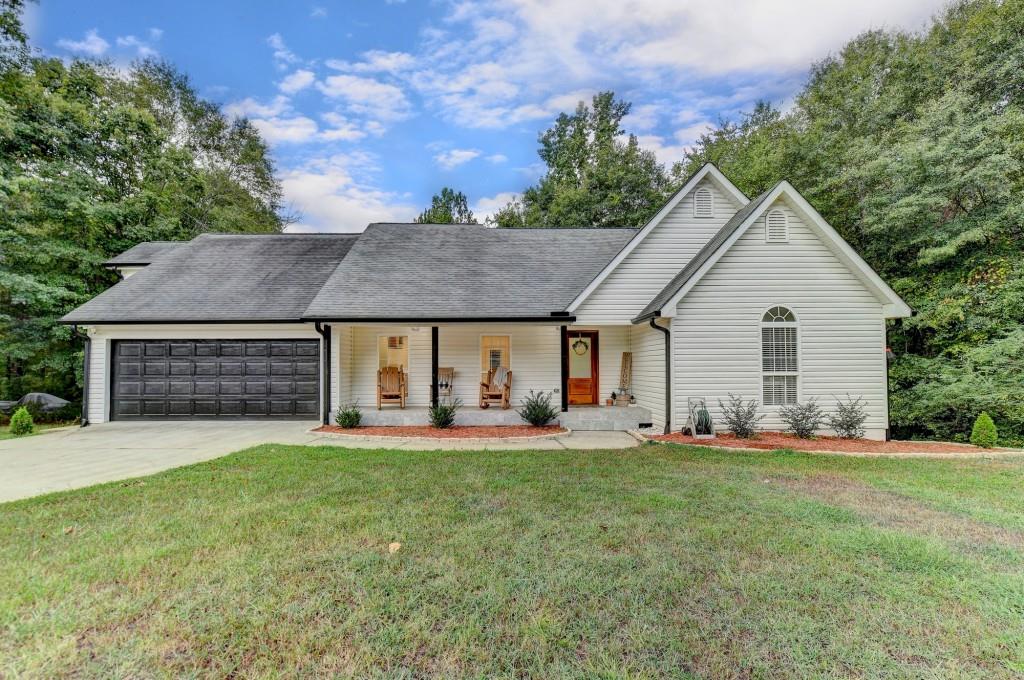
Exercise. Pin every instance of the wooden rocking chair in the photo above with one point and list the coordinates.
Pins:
(391, 387)
(497, 388)
(445, 382)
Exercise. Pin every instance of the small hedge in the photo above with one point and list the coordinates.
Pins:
(349, 416)
(740, 417)
(803, 420)
(537, 410)
(22, 423)
(984, 433)
(849, 418)
(442, 416)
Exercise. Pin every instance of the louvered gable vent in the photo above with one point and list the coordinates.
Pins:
(703, 203)
(776, 226)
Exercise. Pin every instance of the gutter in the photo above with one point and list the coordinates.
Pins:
(84, 418)
(325, 406)
(668, 372)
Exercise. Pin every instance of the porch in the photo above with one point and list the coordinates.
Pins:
(576, 418)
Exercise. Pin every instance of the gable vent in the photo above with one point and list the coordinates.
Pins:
(703, 203)
(776, 227)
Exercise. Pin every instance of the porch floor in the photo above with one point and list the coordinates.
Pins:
(576, 418)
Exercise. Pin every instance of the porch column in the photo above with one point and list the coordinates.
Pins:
(433, 365)
(565, 368)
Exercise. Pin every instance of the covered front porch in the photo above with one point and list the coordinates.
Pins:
(448, 361)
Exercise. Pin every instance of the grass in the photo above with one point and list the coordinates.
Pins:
(5, 430)
(663, 561)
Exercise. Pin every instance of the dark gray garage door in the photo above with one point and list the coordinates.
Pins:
(215, 379)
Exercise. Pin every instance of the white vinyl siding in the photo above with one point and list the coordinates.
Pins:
(99, 365)
(648, 347)
(659, 257)
(840, 334)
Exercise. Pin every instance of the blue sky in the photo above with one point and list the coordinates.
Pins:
(372, 106)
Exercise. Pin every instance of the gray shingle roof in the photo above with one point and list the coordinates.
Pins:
(431, 271)
(143, 253)
(702, 256)
(223, 277)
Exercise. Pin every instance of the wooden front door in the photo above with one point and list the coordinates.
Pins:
(583, 371)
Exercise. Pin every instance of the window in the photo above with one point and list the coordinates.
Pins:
(703, 203)
(779, 360)
(393, 350)
(776, 229)
(494, 352)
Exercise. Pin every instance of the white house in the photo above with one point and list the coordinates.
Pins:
(718, 294)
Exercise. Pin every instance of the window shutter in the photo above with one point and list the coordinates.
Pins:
(776, 227)
(703, 203)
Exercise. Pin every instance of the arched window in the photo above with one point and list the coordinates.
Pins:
(780, 364)
(776, 226)
(703, 203)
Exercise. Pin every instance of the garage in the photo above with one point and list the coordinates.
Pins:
(202, 379)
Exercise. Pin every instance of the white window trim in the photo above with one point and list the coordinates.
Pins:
(711, 203)
(767, 234)
(799, 354)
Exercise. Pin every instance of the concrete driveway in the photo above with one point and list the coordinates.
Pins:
(77, 457)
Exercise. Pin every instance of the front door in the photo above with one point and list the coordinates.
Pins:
(583, 386)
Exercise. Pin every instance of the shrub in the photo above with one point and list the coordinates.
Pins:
(849, 418)
(537, 409)
(802, 419)
(741, 418)
(348, 416)
(442, 416)
(983, 434)
(22, 423)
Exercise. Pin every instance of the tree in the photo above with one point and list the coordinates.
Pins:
(447, 207)
(596, 176)
(91, 163)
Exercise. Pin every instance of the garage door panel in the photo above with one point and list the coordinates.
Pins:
(215, 378)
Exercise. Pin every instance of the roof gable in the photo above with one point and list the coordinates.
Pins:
(664, 304)
(708, 170)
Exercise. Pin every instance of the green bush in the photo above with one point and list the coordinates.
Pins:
(984, 432)
(849, 418)
(349, 416)
(802, 419)
(22, 423)
(442, 416)
(740, 417)
(537, 409)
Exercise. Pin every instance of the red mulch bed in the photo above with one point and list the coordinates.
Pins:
(779, 440)
(457, 432)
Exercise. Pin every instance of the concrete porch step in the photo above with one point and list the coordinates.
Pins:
(581, 418)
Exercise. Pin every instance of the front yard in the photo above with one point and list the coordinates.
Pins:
(663, 561)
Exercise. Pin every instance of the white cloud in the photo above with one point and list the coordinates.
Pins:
(341, 129)
(91, 45)
(296, 81)
(367, 96)
(453, 158)
(674, 150)
(318, 12)
(487, 206)
(282, 55)
(497, 158)
(376, 61)
(642, 118)
(281, 130)
(142, 49)
(330, 196)
(252, 108)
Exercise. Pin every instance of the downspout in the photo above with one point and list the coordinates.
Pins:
(325, 333)
(85, 376)
(668, 373)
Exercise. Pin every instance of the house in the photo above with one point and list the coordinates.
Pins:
(717, 294)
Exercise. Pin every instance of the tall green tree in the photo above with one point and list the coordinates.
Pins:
(597, 175)
(912, 146)
(447, 207)
(91, 163)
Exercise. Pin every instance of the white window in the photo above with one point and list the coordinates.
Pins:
(780, 364)
(776, 226)
(703, 203)
(494, 352)
(393, 350)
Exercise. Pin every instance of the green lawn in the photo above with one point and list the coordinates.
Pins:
(663, 561)
(5, 430)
